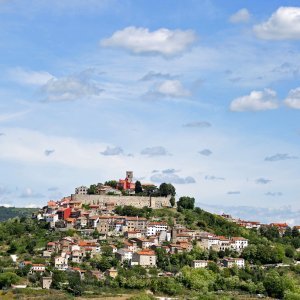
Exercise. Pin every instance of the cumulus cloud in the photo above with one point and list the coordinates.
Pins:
(171, 88)
(109, 151)
(2, 133)
(233, 193)
(198, 124)
(262, 181)
(157, 75)
(29, 77)
(284, 24)
(255, 101)
(293, 99)
(48, 152)
(155, 151)
(241, 16)
(280, 156)
(172, 178)
(141, 40)
(29, 193)
(169, 171)
(53, 189)
(75, 87)
(273, 194)
(214, 178)
(205, 152)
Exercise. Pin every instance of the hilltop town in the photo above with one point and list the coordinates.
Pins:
(104, 231)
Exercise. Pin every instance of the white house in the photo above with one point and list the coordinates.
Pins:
(124, 254)
(81, 190)
(61, 263)
(239, 243)
(37, 268)
(156, 227)
(230, 262)
(199, 264)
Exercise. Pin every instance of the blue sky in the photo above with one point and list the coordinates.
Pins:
(202, 94)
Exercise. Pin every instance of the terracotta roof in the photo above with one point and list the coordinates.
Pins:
(279, 224)
(136, 219)
(238, 239)
(146, 252)
(70, 219)
(157, 223)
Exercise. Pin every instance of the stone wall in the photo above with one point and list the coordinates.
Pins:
(137, 201)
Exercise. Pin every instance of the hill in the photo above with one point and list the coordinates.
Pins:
(12, 212)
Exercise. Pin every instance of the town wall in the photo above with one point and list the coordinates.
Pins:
(120, 200)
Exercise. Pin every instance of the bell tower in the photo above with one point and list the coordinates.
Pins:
(129, 176)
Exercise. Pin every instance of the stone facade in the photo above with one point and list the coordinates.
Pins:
(137, 201)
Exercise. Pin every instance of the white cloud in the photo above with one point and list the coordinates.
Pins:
(205, 152)
(29, 77)
(273, 194)
(141, 40)
(172, 88)
(280, 156)
(172, 178)
(262, 181)
(255, 101)
(29, 193)
(241, 16)
(28, 146)
(293, 98)
(282, 25)
(78, 86)
(233, 193)
(48, 152)
(157, 75)
(112, 151)
(199, 124)
(214, 178)
(155, 151)
(169, 171)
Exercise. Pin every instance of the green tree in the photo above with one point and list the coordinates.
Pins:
(75, 284)
(58, 278)
(288, 232)
(274, 285)
(290, 251)
(7, 279)
(172, 201)
(186, 202)
(92, 190)
(138, 187)
(201, 280)
(166, 189)
(112, 183)
(295, 232)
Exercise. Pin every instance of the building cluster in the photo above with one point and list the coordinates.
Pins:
(137, 238)
(282, 227)
(221, 243)
(126, 184)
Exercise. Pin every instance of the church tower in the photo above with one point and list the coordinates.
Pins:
(129, 176)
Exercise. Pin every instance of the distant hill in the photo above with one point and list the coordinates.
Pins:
(12, 212)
